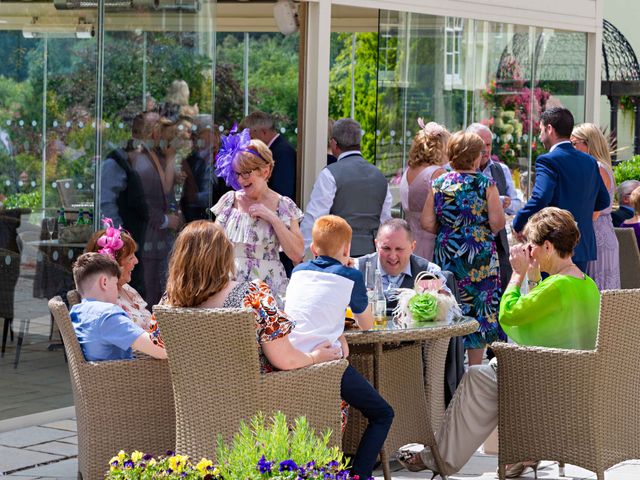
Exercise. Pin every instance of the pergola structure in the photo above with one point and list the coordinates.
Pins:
(620, 77)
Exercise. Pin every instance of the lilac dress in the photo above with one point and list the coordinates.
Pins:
(605, 270)
(413, 198)
(256, 246)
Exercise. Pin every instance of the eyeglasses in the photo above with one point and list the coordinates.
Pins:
(245, 175)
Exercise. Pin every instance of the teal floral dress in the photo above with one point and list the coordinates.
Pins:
(466, 247)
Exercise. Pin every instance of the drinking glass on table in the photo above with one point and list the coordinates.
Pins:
(50, 225)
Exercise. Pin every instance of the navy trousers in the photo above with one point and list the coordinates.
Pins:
(360, 394)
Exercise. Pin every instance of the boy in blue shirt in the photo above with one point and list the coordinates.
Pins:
(318, 294)
(104, 330)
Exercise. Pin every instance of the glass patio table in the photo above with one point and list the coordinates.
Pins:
(406, 364)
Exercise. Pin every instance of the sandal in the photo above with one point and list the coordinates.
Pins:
(409, 457)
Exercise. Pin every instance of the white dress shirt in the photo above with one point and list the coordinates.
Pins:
(321, 200)
(516, 203)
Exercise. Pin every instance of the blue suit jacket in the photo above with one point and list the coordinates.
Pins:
(283, 177)
(569, 179)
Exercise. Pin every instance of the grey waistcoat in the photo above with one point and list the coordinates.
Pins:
(360, 193)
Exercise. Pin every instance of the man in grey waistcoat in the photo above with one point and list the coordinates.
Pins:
(351, 188)
(500, 174)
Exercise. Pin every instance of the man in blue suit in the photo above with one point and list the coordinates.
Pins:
(566, 178)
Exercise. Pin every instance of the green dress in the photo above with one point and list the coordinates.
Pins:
(560, 312)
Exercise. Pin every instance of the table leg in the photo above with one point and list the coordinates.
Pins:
(377, 355)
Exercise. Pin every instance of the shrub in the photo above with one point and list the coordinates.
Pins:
(627, 170)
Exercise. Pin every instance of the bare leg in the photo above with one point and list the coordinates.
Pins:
(475, 356)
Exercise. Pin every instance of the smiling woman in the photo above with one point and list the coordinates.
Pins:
(128, 298)
(257, 220)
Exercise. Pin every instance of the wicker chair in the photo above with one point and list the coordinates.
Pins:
(125, 404)
(629, 258)
(574, 406)
(217, 383)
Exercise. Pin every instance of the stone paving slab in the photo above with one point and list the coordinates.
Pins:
(56, 448)
(16, 458)
(32, 436)
(72, 440)
(69, 425)
(65, 469)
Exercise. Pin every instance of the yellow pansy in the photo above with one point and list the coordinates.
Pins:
(152, 462)
(203, 464)
(136, 456)
(121, 455)
(114, 459)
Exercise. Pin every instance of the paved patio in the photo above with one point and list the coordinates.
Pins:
(49, 451)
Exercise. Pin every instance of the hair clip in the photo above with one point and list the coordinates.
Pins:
(110, 241)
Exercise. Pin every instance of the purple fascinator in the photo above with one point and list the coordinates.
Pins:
(230, 146)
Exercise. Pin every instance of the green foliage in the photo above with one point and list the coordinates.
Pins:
(365, 85)
(627, 170)
(274, 441)
(32, 200)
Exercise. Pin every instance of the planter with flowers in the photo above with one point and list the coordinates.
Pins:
(264, 449)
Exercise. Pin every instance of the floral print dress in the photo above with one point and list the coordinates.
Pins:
(466, 247)
(134, 305)
(271, 322)
(256, 246)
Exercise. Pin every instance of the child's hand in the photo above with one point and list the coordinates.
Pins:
(349, 262)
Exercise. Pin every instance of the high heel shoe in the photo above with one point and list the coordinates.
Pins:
(409, 457)
(518, 469)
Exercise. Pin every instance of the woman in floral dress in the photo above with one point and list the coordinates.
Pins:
(258, 221)
(465, 212)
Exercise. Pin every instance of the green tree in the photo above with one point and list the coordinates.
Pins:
(365, 85)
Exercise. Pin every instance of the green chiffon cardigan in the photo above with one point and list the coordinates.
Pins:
(560, 312)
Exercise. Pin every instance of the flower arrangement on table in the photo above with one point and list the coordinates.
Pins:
(260, 450)
(425, 302)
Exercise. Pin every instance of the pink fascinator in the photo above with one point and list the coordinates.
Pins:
(110, 241)
(431, 128)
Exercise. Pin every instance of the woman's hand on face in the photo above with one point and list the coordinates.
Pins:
(258, 210)
(325, 353)
(519, 258)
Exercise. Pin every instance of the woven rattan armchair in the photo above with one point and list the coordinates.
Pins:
(125, 404)
(574, 406)
(213, 358)
(629, 258)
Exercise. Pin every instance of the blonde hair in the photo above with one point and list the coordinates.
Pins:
(330, 234)
(429, 148)
(463, 149)
(201, 264)
(555, 225)
(595, 141)
(634, 200)
(247, 161)
(178, 93)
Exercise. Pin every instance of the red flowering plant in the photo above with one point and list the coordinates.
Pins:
(514, 109)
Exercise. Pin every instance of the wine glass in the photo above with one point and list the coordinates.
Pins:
(50, 224)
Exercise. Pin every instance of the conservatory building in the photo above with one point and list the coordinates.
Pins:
(85, 84)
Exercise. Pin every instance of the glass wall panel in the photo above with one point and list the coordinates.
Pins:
(457, 71)
(153, 172)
